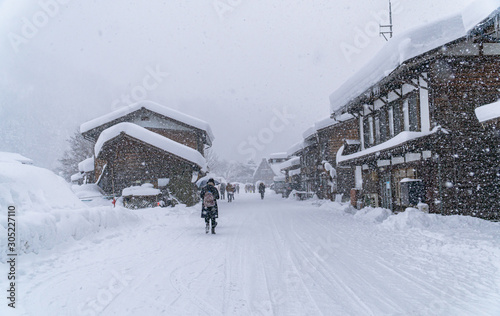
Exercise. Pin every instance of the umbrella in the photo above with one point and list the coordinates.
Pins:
(203, 182)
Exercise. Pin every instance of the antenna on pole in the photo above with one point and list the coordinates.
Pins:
(387, 29)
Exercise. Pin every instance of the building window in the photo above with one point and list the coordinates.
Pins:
(370, 126)
(366, 132)
(383, 125)
(377, 129)
(145, 118)
(406, 116)
(397, 117)
(390, 113)
(413, 115)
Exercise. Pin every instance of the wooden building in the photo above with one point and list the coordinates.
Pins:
(332, 135)
(264, 173)
(420, 139)
(149, 143)
(311, 162)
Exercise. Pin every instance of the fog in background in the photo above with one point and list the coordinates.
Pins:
(260, 72)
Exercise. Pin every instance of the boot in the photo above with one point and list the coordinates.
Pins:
(213, 230)
(207, 228)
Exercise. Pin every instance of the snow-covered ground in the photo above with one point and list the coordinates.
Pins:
(269, 257)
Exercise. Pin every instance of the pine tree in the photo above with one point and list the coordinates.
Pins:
(79, 150)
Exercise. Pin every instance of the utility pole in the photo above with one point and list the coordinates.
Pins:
(387, 29)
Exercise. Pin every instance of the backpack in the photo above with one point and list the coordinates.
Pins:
(208, 199)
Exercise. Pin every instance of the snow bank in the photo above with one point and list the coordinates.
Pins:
(89, 190)
(413, 218)
(14, 158)
(36, 189)
(372, 215)
(47, 211)
(37, 231)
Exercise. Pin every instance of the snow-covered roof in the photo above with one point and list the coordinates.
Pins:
(14, 158)
(282, 155)
(294, 172)
(295, 148)
(77, 176)
(409, 180)
(276, 169)
(410, 44)
(488, 112)
(146, 189)
(279, 178)
(309, 132)
(293, 161)
(330, 121)
(352, 142)
(393, 142)
(153, 139)
(152, 106)
(87, 165)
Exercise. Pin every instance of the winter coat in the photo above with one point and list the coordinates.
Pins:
(222, 188)
(262, 188)
(230, 188)
(209, 210)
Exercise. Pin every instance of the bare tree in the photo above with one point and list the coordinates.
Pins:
(79, 150)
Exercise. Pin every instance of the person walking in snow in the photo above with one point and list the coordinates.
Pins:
(223, 190)
(230, 192)
(210, 210)
(262, 190)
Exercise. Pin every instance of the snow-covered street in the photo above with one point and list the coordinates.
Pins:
(270, 257)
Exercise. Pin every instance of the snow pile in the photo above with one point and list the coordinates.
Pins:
(146, 189)
(36, 189)
(373, 215)
(44, 230)
(86, 191)
(14, 158)
(91, 194)
(47, 212)
(413, 218)
(368, 214)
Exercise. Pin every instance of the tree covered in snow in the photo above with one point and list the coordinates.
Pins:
(79, 150)
(234, 171)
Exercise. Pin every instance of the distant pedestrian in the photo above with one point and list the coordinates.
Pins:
(230, 192)
(262, 190)
(237, 188)
(223, 190)
(210, 210)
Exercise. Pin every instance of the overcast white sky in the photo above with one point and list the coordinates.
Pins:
(260, 72)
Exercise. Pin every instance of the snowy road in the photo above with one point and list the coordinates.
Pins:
(269, 257)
